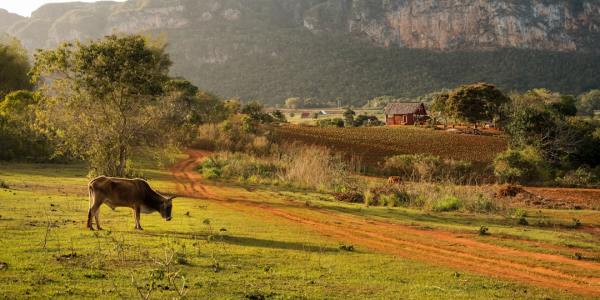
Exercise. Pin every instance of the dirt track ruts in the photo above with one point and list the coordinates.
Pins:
(435, 247)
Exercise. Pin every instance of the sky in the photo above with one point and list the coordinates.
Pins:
(25, 7)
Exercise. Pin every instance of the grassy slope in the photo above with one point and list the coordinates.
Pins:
(256, 254)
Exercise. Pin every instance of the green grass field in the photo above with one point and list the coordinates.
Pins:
(220, 252)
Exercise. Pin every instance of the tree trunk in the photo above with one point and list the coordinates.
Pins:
(122, 160)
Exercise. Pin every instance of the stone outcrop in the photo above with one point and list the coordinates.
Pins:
(464, 24)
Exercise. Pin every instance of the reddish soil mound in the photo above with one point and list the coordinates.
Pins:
(509, 191)
(567, 198)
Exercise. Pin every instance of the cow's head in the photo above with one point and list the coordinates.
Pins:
(166, 208)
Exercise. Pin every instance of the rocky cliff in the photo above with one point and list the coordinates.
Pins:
(465, 24)
(423, 24)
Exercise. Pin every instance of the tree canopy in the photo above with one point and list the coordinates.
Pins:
(14, 66)
(105, 98)
(474, 103)
(589, 102)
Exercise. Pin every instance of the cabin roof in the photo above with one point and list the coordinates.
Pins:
(402, 108)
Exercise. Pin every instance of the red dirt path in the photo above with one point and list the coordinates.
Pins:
(435, 247)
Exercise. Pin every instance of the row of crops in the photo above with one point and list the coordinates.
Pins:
(373, 144)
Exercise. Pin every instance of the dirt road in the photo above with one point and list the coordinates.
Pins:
(436, 247)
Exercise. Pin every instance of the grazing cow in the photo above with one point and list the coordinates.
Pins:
(134, 193)
(394, 180)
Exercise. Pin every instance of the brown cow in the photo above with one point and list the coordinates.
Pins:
(134, 193)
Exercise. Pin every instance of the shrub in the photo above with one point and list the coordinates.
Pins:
(243, 167)
(448, 203)
(350, 197)
(482, 204)
(211, 173)
(581, 177)
(336, 122)
(387, 195)
(521, 166)
(3, 184)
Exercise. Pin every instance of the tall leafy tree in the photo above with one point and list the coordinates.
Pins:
(14, 66)
(19, 136)
(439, 108)
(105, 98)
(477, 102)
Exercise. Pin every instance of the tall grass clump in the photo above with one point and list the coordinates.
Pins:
(314, 167)
(430, 168)
(307, 167)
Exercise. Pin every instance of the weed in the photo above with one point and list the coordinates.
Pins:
(576, 223)
(256, 295)
(484, 230)
(482, 204)
(523, 221)
(348, 248)
(4, 185)
(520, 213)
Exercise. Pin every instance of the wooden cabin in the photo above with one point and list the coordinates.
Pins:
(405, 113)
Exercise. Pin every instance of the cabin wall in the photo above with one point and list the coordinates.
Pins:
(408, 119)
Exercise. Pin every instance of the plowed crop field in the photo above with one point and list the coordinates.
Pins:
(373, 144)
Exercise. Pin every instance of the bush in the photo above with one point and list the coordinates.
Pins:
(582, 177)
(350, 197)
(525, 166)
(387, 195)
(240, 166)
(448, 203)
(336, 122)
(481, 204)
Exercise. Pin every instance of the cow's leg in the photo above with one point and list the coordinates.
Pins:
(95, 211)
(97, 217)
(89, 219)
(92, 200)
(136, 214)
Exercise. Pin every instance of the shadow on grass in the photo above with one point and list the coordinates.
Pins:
(241, 241)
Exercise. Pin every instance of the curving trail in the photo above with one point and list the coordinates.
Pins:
(435, 247)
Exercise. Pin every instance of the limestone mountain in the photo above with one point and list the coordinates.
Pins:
(349, 49)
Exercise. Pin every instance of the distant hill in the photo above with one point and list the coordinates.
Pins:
(8, 19)
(349, 49)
